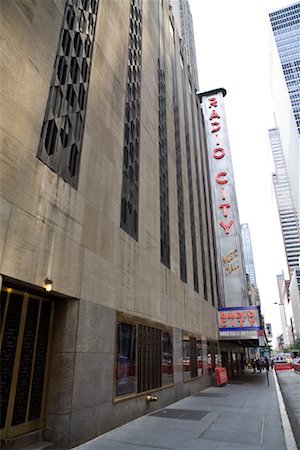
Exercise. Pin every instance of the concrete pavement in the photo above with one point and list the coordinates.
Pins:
(243, 415)
(289, 382)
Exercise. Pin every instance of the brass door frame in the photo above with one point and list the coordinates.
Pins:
(9, 430)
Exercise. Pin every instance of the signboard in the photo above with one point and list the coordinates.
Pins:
(221, 375)
(225, 209)
(269, 331)
(239, 318)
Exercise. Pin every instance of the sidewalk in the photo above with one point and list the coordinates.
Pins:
(243, 415)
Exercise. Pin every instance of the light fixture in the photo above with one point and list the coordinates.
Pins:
(48, 284)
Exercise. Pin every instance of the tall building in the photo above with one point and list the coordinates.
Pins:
(285, 202)
(248, 255)
(184, 22)
(286, 312)
(285, 24)
(294, 290)
(107, 255)
(284, 82)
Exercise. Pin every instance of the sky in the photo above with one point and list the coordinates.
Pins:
(232, 44)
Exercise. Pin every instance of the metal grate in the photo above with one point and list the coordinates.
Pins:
(211, 394)
(184, 414)
(130, 186)
(40, 363)
(62, 131)
(22, 391)
(8, 348)
(149, 358)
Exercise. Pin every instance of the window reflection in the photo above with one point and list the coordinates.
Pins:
(199, 357)
(125, 370)
(167, 359)
(186, 360)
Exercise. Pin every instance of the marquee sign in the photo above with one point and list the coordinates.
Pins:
(245, 318)
(225, 209)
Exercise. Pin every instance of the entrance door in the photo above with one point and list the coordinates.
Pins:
(26, 322)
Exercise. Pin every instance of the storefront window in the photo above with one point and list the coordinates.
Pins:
(190, 357)
(167, 359)
(144, 358)
(186, 360)
(125, 370)
(210, 357)
(199, 357)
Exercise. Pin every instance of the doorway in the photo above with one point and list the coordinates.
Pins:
(25, 338)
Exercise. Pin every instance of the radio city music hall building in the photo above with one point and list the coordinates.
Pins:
(105, 202)
(239, 322)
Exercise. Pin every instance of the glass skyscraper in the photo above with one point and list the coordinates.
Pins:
(285, 23)
(248, 255)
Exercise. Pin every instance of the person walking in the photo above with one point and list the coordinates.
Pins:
(267, 364)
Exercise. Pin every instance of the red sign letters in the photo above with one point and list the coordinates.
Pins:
(218, 153)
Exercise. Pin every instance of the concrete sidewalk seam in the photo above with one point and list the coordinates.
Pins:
(286, 425)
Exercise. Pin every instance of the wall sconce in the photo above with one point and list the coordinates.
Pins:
(151, 398)
(48, 284)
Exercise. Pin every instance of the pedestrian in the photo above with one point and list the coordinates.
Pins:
(258, 365)
(267, 364)
(254, 364)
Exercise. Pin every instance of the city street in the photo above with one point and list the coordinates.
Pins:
(243, 415)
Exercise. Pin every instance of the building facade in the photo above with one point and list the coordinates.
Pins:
(285, 201)
(286, 312)
(294, 291)
(284, 82)
(285, 23)
(105, 196)
(248, 254)
(184, 23)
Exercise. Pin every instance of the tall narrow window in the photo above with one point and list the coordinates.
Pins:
(125, 367)
(180, 203)
(190, 180)
(62, 131)
(130, 186)
(163, 149)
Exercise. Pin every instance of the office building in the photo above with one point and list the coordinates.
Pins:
(284, 82)
(286, 313)
(184, 23)
(285, 202)
(248, 255)
(285, 23)
(107, 254)
(294, 291)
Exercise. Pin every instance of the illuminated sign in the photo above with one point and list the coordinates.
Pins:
(240, 318)
(225, 210)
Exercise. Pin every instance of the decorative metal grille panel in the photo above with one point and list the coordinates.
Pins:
(130, 186)
(149, 358)
(163, 171)
(190, 183)
(8, 349)
(180, 203)
(62, 131)
(193, 355)
(40, 363)
(22, 391)
(181, 226)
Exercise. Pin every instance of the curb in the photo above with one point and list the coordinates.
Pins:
(286, 425)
